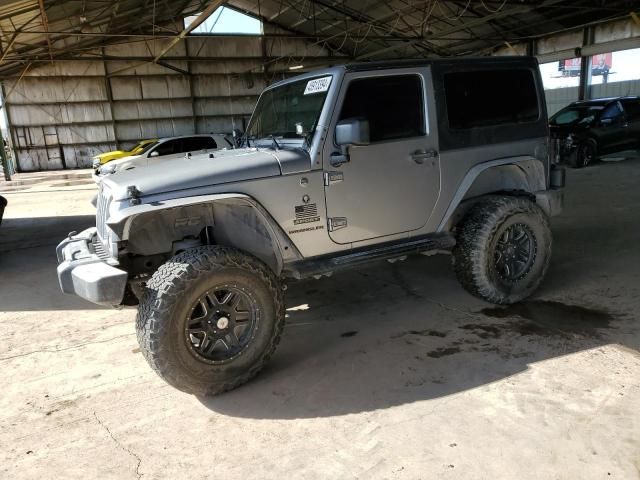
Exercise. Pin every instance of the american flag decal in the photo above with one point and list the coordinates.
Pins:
(306, 213)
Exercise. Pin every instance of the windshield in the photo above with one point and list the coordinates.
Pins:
(576, 115)
(289, 111)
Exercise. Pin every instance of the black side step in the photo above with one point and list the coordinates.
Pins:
(329, 263)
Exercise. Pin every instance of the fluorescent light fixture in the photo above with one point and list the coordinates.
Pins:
(296, 67)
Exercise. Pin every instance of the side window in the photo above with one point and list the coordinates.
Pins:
(208, 143)
(167, 148)
(490, 97)
(392, 104)
(192, 144)
(613, 113)
(223, 142)
(632, 108)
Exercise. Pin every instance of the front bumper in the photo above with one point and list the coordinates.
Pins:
(82, 272)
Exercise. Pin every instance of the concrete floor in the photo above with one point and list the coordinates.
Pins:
(390, 371)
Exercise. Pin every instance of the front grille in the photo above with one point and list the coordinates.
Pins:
(102, 213)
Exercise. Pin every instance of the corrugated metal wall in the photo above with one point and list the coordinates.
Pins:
(559, 98)
(616, 89)
(63, 113)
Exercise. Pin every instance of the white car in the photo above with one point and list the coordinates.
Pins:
(166, 149)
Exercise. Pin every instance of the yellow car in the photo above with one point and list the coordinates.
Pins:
(137, 149)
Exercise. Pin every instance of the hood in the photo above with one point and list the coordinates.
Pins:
(125, 159)
(201, 170)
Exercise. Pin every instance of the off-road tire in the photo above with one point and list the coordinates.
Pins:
(168, 298)
(586, 154)
(474, 253)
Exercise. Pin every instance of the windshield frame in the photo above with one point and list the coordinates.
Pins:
(279, 140)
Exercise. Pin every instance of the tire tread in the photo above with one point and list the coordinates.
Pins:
(169, 282)
(476, 230)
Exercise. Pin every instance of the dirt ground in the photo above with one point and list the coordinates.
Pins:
(389, 371)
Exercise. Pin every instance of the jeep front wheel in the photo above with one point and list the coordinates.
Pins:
(210, 319)
(503, 249)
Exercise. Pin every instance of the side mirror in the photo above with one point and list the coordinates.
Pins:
(154, 154)
(349, 132)
(352, 131)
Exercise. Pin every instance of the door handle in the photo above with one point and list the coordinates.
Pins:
(419, 156)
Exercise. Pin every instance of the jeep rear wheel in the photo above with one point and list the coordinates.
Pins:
(210, 319)
(503, 249)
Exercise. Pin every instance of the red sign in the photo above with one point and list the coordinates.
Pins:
(600, 65)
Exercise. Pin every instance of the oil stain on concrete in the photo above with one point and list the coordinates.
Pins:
(547, 318)
(541, 318)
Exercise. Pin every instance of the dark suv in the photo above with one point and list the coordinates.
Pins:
(590, 128)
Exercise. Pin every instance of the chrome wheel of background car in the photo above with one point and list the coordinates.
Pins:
(515, 252)
(221, 324)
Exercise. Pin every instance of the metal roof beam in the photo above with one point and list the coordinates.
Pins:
(463, 26)
(45, 25)
(213, 6)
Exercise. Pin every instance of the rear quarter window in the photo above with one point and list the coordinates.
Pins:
(489, 98)
(632, 108)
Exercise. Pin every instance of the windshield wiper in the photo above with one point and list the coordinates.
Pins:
(276, 145)
(249, 139)
(274, 142)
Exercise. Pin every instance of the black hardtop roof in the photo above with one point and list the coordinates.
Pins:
(462, 62)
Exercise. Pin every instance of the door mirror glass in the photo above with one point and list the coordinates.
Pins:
(352, 131)
(154, 154)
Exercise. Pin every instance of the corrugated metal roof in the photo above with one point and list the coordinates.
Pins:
(70, 28)
(358, 29)
(379, 29)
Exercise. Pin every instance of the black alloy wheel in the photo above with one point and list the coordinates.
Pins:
(515, 252)
(221, 324)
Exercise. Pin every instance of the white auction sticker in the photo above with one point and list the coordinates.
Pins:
(317, 85)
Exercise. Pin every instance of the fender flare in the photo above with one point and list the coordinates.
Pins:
(120, 222)
(474, 173)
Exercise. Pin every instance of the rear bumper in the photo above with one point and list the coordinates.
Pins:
(83, 273)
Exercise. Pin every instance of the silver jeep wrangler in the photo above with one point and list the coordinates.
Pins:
(338, 167)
